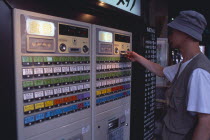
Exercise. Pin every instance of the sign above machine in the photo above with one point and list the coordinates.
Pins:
(131, 6)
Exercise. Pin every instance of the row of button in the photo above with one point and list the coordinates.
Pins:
(57, 60)
(108, 67)
(112, 82)
(101, 76)
(38, 84)
(112, 90)
(28, 109)
(56, 71)
(114, 97)
(111, 59)
(56, 92)
(55, 113)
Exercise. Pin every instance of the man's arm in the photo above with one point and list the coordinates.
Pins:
(202, 130)
(151, 66)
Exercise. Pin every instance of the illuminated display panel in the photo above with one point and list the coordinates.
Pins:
(38, 27)
(105, 36)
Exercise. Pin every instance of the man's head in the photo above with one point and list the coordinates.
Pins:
(189, 23)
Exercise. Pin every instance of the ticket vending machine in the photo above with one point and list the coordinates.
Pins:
(53, 82)
(111, 78)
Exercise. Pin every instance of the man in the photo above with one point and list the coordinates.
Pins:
(188, 98)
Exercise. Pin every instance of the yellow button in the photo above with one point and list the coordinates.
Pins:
(28, 108)
(108, 90)
(103, 91)
(49, 103)
(98, 92)
(39, 105)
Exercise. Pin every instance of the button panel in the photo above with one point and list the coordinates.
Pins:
(54, 86)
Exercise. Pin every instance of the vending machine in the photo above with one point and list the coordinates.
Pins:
(111, 83)
(52, 77)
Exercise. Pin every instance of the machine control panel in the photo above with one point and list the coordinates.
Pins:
(53, 69)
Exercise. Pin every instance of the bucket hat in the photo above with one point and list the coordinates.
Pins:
(191, 23)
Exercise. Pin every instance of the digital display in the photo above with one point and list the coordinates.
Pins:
(73, 31)
(122, 38)
(105, 36)
(38, 27)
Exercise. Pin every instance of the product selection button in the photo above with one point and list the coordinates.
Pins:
(29, 120)
(48, 60)
(39, 106)
(28, 109)
(39, 95)
(27, 73)
(48, 93)
(48, 71)
(38, 60)
(27, 61)
(28, 97)
(38, 72)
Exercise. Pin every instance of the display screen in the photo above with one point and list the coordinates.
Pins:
(73, 31)
(105, 36)
(122, 38)
(38, 27)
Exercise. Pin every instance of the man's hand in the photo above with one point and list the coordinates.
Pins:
(132, 56)
(202, 130)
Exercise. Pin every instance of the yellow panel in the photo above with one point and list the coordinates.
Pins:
(49, 103)
(108, 90)
(28, 108)
(103, 91)
(98, 92)
(39, 105)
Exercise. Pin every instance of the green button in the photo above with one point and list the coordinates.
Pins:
(64, 59)
(47, 81)
(28, 84)
(38, 83)
(38, 59)
(48, 59)
(27, 59)
(56, 59)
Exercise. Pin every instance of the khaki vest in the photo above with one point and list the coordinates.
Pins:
(178, 123)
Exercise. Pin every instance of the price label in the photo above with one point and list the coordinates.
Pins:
(28, 96)
(103, 83)
(98, 67)
(65, 69)
(117, 81)
(98, 84)
(86, 67)
(113, 81)
(80, 68)
(38, 71)
(48, 70)
(86, 86)
(65, 89)
(117, 66)
(113, 66)
(109, 66)
(48, 92)
(103, 67)
(73, 68)
(39, 94)
(80, 87)
(57, 91)
(57, 69)
(27, 71)
(73, 88)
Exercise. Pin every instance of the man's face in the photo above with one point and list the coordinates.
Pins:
(176, 38)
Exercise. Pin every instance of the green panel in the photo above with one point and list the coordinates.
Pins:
(28, 84)
(27, 59)
(38, 59)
